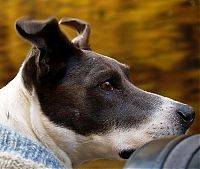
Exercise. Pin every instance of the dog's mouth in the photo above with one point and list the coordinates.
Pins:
(125, 154)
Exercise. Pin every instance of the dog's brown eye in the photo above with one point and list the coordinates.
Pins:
(107, 86)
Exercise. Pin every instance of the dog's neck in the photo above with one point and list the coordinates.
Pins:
(21, 111)
(14, 105)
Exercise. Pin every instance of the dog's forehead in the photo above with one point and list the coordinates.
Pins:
(96, 58)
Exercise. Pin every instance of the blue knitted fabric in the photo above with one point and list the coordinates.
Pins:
(15, 143)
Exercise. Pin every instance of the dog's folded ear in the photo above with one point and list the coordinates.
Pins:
(55, 48)
(83, 29)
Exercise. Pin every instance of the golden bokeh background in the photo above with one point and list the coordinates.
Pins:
(159, 39)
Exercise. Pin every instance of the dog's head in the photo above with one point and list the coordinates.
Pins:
(92, 95)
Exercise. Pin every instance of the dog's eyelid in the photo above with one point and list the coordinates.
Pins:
(108, 75)
(111, 76)
(114, 77)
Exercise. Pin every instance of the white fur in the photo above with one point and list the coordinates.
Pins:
(14, 107)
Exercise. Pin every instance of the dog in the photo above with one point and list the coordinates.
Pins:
(79, 104)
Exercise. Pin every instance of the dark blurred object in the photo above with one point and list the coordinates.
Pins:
(172, 152)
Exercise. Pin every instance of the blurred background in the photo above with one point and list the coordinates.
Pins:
(159, 39)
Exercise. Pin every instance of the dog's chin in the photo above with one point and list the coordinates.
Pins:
(159, 135)
(126, 153)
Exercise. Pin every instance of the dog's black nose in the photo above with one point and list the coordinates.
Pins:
(125, 154)
(187, 114)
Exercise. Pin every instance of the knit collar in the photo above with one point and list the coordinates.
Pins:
(15, 143)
